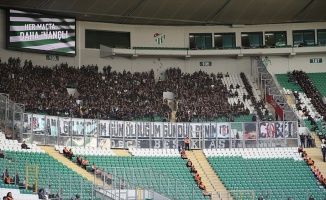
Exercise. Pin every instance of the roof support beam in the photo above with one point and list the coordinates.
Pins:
(132, 11)
(302, 10)
(218, 11)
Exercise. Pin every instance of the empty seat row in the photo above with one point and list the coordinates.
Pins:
(86, 150)
(155, 152)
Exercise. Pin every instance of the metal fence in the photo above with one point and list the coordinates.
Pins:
(11, 117)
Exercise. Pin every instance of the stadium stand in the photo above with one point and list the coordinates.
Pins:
(309, 105)
(251, 173)
(34, 164)
(159, 169)
(132, 96)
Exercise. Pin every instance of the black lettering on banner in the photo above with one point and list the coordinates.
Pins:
(117, 143)
(66, 127)
(223, 143)
(156, 130)
(170, 144)
(157, 144)
(91, 127)
(210, 144)
(289, 132)
(104, 128)
(210, 130)
(130, 144)
(146, 128)
(166, 130)
(213, 131)
(207, 130)
(139, 130)
(77, 127)
(181, 130)
(52, 125)
(194, 144)
(278, 130)
(130, 130)
(116, 129)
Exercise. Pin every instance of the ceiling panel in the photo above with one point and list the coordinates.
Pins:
(179, 12)
(150, 8)
(79, 7)
(315, 12)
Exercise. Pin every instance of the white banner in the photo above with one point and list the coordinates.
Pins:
(77, 127)
(64, 124)
(38, 124)
(117, 128)
(104, 128)
(223, 130)
(91, 127)
(52, 125)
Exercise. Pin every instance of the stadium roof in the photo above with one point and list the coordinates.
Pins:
(180, 12)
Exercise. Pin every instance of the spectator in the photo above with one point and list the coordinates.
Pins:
(206, 193)
(9, 196)
(59, 195)
(189, 163)
(16, 179)
(5, 174)
(24, 145)
(302, 140)
(7, 179)
(2, 155)
(98, 172)
(85, 163)
(70, 154)
(323, 150)
(183, 154)
(109, 179)
(76, 197)
(48, 192)
(311, 197)
(65, 152)
(300, 149)
(79, 160)
(192, 169)
(187, 143)
(93, 168)
(122, 184)
(202, 186)
(41, 194)
(180, 148)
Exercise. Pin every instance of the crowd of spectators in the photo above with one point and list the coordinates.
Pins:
(104, 95)
(107, 94)
(310, 90)
(204, 96)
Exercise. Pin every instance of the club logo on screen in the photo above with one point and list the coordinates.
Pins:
(159, 38)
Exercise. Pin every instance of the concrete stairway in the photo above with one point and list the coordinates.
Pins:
(121, 152)
(317, 140)
(208, 176)
(55, 154)
(317, 156)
